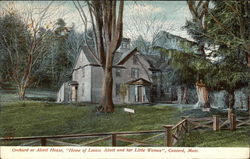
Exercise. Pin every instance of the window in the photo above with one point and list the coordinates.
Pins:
(135, 60)
(124, 45)
(117, 88)
(135, 73)
(83, 72)
(118, 72)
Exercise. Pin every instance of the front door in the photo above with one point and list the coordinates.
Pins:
(140, 94)
(74, 93)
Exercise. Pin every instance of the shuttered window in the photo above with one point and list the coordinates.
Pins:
(117, 89)
(118, 72)
(135, 73)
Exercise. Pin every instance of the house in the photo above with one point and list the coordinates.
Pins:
(168, 87)
(130, 68)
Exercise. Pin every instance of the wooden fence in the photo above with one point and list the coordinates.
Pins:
(112, 136)
(217, 123)
(171, 133)
(174, 133)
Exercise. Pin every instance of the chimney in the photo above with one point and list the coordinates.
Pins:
(125, 44)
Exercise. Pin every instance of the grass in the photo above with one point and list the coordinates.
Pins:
(31, 94)
(223, 138)
(39, 118)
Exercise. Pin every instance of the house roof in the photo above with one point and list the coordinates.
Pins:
(90, 57)
(126, 55)
(139, 81)
(73, 83)
(119, 57)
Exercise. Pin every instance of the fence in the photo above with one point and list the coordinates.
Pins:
(217, 123)
(171, 133)
(174, 133)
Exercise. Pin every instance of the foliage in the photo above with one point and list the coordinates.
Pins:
(226, 27)
(228, 75)
(223, 66)
(188, 66)
(24, 42)
(53, 49)
(13, 32)
(228, 24)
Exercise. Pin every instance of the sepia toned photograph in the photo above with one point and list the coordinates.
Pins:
(124, 77)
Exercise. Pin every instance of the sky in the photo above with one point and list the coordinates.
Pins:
(140, 17)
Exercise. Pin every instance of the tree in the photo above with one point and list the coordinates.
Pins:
(62, 61)
(74, 43)
(223, 27)
(107, 24)
(65, 46)
(145, 30)
(186, 65)
(24, 40)
(196, 27)
(228, 29)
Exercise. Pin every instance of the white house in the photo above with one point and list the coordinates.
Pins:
(130, 67)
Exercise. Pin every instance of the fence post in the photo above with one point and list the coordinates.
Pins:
(232, 122)
(168, 135)
(43, 141)
(186, 124)
(113, 138)
(216, 122)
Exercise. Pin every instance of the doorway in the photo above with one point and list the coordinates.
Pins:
(74, 93)
(140, 93)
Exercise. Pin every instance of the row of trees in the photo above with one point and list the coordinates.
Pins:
(35, 51)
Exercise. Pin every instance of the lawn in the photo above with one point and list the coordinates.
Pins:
(38, 118)
(223, 138)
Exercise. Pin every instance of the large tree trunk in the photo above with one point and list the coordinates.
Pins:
(107, 24)
(231, 103)
(106, 104)
(202, 93)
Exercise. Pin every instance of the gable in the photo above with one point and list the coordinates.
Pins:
(140, 81)
(126, 55)
(141, 60)
(81, 61)
(84, 58)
